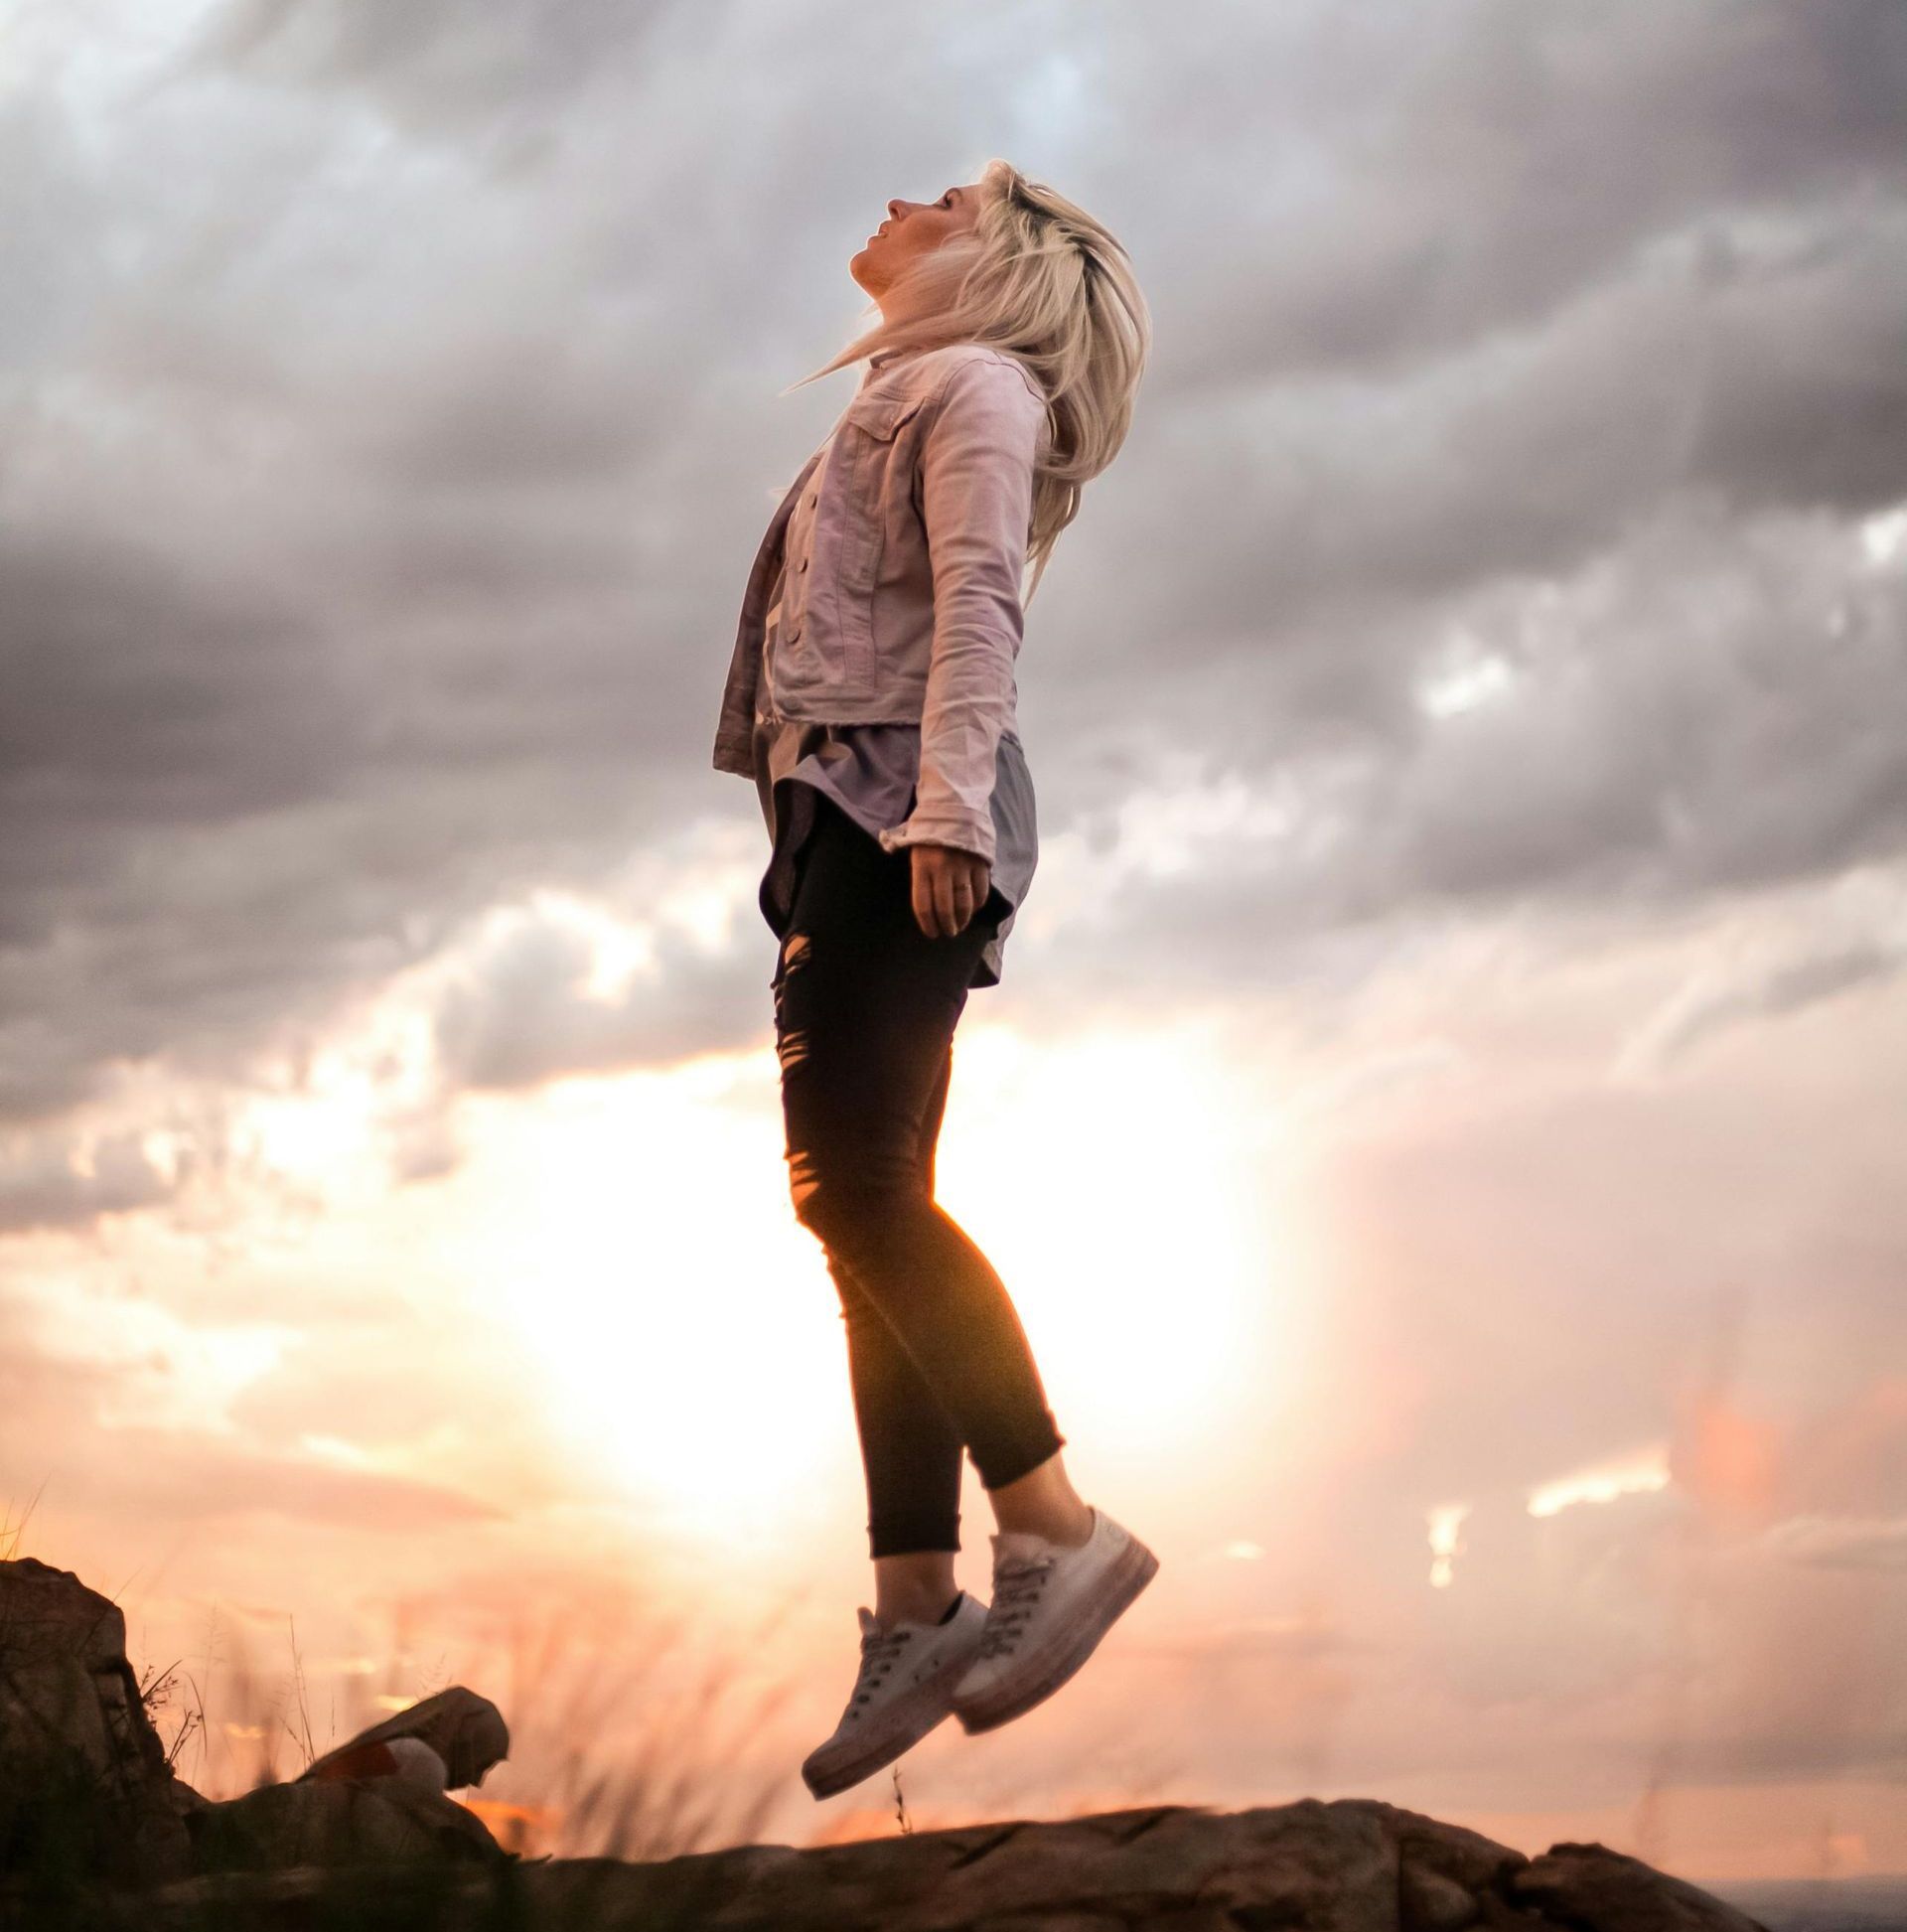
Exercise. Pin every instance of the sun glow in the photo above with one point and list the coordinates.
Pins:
(638, 1235)
(680, 1324)
(1129, 1188)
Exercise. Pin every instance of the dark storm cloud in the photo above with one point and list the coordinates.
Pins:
(47, 1186)
(1808, 976)
(1308, 502)
(524, 1013)
(134, 699)
(1709, 710)
(391, 413)
(432, 62)
(1416, 179)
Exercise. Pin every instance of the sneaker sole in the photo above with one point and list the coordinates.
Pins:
(1011, 1698)
(918, 1712)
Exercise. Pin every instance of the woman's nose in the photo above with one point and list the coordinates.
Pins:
(894, 210)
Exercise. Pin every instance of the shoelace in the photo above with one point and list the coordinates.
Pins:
(1017, 1584)
(879, 1650)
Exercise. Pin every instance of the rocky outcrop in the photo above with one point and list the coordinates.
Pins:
(379, 1821)
(1352, 1865)
(1590, 1885)
(83, 1781)
(368, 1838)
(448, 1742)
(87, 1794)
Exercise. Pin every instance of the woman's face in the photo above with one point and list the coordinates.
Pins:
(912, 230)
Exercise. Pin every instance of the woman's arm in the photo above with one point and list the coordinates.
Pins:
(977, 491)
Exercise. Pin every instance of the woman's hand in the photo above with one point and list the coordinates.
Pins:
(949, 887)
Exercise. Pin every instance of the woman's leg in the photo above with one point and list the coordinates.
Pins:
(866, 1006)
(911, 1449)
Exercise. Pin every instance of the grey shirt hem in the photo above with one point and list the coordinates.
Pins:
(870, 772)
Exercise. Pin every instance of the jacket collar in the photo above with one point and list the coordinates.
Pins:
(883, 357)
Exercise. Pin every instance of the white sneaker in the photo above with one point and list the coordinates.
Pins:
(907, 1673)
(1051, 1606)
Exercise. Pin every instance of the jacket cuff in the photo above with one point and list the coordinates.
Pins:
(966, 835)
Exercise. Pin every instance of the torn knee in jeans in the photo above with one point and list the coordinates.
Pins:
(791, 1042)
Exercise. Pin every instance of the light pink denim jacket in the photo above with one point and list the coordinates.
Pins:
(907, 607)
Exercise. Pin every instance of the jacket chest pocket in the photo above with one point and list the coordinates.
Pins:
(876, 482)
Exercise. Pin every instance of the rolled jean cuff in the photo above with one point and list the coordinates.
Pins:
(1005, 1469)
(901, 1535)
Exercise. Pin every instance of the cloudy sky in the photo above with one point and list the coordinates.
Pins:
(1440, 1115)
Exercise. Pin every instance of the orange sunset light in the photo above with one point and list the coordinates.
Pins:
(635, 1235)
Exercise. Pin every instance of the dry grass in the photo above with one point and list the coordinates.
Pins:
(645, 1752)
(643, 1744)
(11, 1532)
(644, 1748)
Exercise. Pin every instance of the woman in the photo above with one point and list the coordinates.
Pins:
(871, 696)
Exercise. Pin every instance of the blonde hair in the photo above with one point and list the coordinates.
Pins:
(1039, 278)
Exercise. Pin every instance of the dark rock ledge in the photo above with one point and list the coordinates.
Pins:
(96, 1831)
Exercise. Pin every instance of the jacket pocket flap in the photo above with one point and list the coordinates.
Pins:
(880, 415)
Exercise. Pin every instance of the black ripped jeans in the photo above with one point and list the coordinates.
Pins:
(865, 1006)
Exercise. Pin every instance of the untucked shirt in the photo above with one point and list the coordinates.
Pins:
(870, 771)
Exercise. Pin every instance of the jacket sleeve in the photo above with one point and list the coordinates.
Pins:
(977, 496)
